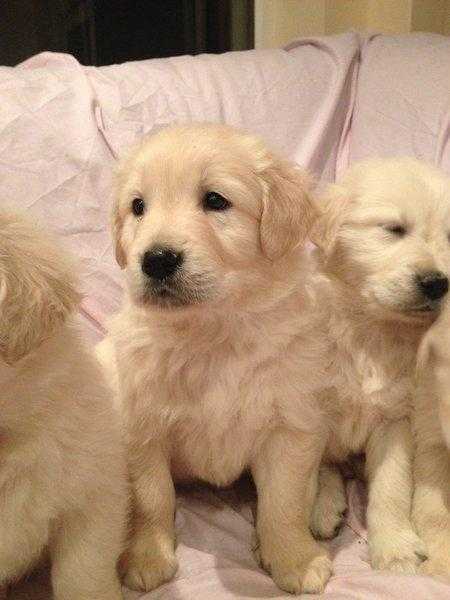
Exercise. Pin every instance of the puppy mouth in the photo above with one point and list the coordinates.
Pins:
(170, 295)
(422, 310)
(417, 312)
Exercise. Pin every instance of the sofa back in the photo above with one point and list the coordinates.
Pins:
(321, 101)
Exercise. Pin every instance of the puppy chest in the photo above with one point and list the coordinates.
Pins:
(356, 412)
(217, 459)
(350, 431)
(217, 440)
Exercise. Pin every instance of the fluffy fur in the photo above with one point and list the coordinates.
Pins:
(431, 504)
(216, 368)
(386, 223)
(62, 469)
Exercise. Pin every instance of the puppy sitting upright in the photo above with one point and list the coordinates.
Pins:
(383, 272)
(214, 373)
(62, 470)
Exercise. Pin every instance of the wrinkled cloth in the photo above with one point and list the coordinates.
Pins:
(323, 102)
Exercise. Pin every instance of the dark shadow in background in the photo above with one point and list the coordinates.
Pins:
(102, 32)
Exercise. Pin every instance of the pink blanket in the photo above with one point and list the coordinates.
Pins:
(323, 102)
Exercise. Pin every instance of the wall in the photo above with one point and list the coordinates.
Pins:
(344, 15)
(389, 16)
(279, 21)
(431, 16)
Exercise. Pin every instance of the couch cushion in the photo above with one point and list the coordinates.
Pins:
(63, 126)
(403, 99)
(53, 163)
(297, 99)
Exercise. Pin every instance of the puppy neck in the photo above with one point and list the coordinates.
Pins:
(353, 314)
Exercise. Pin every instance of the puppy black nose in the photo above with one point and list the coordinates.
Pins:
(161, 263)
(433, 285)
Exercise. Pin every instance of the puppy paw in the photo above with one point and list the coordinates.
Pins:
(437, 566)
(401, 552)
(146, 568)
(308, 577)
(297, 571)
(328, 514)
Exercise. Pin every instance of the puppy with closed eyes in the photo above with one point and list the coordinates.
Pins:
(63, 485)
(383, 267)
(214, 360)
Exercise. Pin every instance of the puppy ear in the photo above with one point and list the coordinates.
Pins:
(116, 229)
(425, 355)
(121, 173)
(37, 293)
(330, 205)
(288, 211)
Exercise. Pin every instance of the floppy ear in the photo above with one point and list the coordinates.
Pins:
(331, 205)
(425, 355)
(36, 297)
(116, 230)
(288, 212)
(120, 176)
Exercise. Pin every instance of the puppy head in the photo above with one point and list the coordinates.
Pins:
(203, 213)
(384, 234)
(37, 289)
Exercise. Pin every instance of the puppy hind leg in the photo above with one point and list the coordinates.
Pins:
(330, 503)
(84, 553)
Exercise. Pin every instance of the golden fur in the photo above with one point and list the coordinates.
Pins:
(431, 504)
(384, 224)
(62, 469)
(216, 376)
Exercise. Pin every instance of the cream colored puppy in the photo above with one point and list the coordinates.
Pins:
(62, 469)
(431, 505)
(382, 273)
(215, 360)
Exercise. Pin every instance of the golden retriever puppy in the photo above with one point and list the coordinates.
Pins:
(62, 467)
(216, 363)
(431, 503)
(383, 270)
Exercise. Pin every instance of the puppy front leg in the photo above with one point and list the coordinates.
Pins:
(20, 547)
(85, 551)
(431, 505)
(393, 544)
(285, 474)
(150, 560)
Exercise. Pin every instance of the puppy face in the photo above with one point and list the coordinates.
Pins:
(203, 213)
(37, 289)
(385, 235)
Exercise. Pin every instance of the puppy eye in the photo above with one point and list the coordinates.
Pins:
(138, 207)
(397, 230)
(214, 201)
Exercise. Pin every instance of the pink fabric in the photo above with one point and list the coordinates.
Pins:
(62, 126)
(54, 162)
(403, 99)
(214, 535)
(297, 99)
